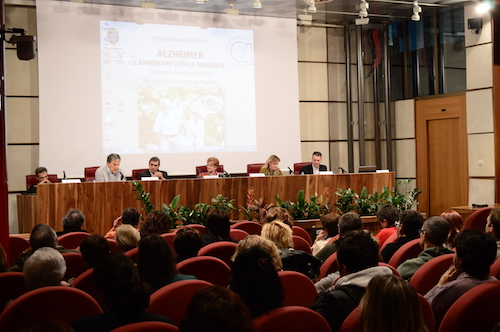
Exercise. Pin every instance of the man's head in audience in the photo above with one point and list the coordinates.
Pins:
(41, 175)
(131, 216)
(350, 221)
(93, 247)
(410, 223)
(187, 243)
(317, 158)
(475, 252)
(493, 223)
(357, 251)
(45, 267)
(43, 235)
(154, 164)
(73, 220)
(113, 162)
(387, 215)
(434, 232)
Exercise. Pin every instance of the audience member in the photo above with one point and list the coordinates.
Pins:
(42, 177)
(72, 222)
(255, 279)
(187, 243)
(456, 224)
(156, 263)
(387, 215)
(270, 168)
(263, 243)
(315, 167)
(279, 213)
(157, 222)
(357, 257)
(218, 227)
(407, 229)
(93, 247)
(129, 216)
(212, 165)
(216, 309)
(3, 259)
(330, 229)
(493, 227)
(117, 280)
(391, 295)
(127, 237)
(154, 170)
(279, 233)
(475, 252)
(433, 235)
(111, 171)
(350, 221)
(46, 267)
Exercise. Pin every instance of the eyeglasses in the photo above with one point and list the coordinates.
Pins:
(421, 231)
(397, 223)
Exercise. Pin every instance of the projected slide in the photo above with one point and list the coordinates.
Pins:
(176, 89)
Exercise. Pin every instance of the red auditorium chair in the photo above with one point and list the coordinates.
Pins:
(299, 290)
(477, 220)
(172, 300)
(393, 269)
(16, 247)
(135, 173)
(32, 180)
(299, 243)
(428, 275)
(133, 254)
(113, 247)
(89, 173)
(72, 240)
(47, 303)
(222, 249)
(495, 269)
(12, 285)
(75, 265)
(203, 169)
(150, 326)
(208, 268)
(200, 228)
(254, 168)
(298, 166)
(291, 319)
(409, 250)
(299, 231)
(169, 237)
(390, 239)
(330, 265)
(237, 234)
(251, 227)
(85, 282)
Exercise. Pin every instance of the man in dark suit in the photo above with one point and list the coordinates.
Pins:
(316, 166)
(154, 170)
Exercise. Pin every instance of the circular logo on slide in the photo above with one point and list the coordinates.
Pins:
(240, 51)
(112, 37)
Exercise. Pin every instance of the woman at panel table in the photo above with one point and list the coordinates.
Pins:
(271, 166)
(212, 165)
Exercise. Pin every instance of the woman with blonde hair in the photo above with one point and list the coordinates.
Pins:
(279, 233)
(270, 168)
(279, 213)
(258, 241)
(127, 237)
(390, 294)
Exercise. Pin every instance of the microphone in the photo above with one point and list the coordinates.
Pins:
(343, 170)
(123, 177)
(64, 175)
(291, 172)
(226, 174)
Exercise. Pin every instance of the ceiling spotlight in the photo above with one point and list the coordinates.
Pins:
(416, 11)
(305, 19)
(257, 4)
(201, 1)
(482, 7)
(147, 4)
(311, 6)
(231, 10)
(363, 9)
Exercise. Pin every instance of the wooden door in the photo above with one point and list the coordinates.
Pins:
(442, 161)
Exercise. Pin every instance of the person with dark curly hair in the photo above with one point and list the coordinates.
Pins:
(255, 279)
(218, 227)
(157, 222)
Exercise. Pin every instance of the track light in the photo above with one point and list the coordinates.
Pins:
(311, 6)
(416, 11)
(304, 18)
(231, 10)
(200, 1)
(363, 13)
(257, 4)
(147, 4)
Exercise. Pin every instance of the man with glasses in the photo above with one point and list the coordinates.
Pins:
(433, 235)
(407, 229)
(493, 227)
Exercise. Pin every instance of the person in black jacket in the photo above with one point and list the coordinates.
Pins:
(154, 170)
(315, 166)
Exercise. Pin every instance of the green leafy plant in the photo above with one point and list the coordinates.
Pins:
(222, 203)
(345, 200)
(404, 196)
(143, 197)
(313, 209)
(256, 209)
(200, 214)
(170, 209)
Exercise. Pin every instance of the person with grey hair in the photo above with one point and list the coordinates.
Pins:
(154, 170)
(72, 222)
(45, 267)
(433, 235)
(111, 171)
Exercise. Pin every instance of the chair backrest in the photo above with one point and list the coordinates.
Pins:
(149, 326)
(169, 237)
(299, 243)
(47, 303)
(72, 240)
(330, 265)
(428, 275)
(299, 289)
(298, 166)
(12, 285)
(133, 254)
(172, 300)
(351, 323)
(89, 173)
(299, 231)
(222, 249)
(409, 250)
(200, 228)
(32, 180)
(16, 247)
(477, 220)
(208, 268)
(75, 265)
(203, 169)
(390, 239)
(254, 168)
(85, 282)
(291, 319)
(393, 269)
(476, 310)
(251, 227)
(237, 234)
(113, 247)
(135, 173)
(495, 269)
